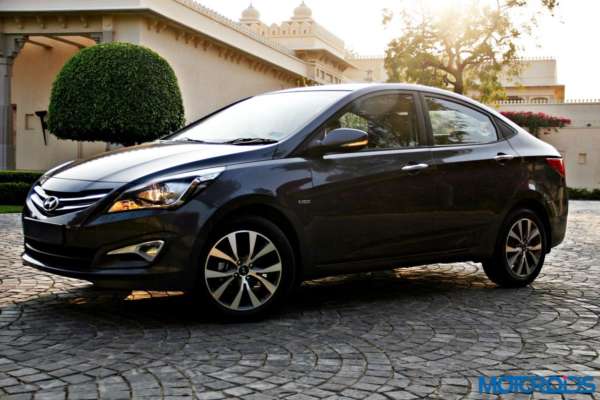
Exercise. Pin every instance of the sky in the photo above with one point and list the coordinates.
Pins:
(569, 36)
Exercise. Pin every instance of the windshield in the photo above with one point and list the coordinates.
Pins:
(266, 118)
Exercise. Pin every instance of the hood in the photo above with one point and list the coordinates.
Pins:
(131, 163)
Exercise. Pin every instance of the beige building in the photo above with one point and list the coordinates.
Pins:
(216, 60)
(537, 82)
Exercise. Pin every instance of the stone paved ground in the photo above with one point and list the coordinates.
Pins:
(412, 333)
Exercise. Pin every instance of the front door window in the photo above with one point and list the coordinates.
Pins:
(389, 119)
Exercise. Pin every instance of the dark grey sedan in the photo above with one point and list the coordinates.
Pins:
(247, 202)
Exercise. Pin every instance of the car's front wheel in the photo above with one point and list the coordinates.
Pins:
(247, 268)
(520, 250)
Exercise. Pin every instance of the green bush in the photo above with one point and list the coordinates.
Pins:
(13, 192)
(117, 93)
(14, 185)
(584, 194)
(19, 176)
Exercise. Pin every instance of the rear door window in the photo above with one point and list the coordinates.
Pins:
(455, 124)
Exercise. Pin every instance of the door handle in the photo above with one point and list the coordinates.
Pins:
(415, 167)
(501, 157)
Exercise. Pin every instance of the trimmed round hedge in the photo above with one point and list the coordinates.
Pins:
(117, 93)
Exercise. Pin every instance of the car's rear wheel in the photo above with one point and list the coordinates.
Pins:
(248, 268)
(520, 250)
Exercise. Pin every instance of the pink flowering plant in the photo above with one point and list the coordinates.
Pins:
(537, 122)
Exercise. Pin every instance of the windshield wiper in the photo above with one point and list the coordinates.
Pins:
(194, 141)
(249, 141)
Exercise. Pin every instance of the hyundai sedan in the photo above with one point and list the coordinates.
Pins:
(251, 200)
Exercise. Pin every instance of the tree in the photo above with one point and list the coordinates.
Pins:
(117, 93)
(461, 49)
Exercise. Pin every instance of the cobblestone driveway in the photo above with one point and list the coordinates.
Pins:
(412, 333)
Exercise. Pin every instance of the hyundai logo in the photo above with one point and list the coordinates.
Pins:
(51, 203)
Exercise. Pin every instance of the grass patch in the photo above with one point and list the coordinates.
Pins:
(10, 209)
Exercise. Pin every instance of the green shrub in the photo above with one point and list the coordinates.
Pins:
(14, 185)
(584, 194)
(19, 176)
(13, 192)
(115, 92)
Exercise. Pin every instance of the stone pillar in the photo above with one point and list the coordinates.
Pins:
(10, 45)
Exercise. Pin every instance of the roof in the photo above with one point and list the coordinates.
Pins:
(352, 87)
(366, 88)
(186, 13)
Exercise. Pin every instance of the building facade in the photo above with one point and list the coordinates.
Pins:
(536, 83)
(218, 61)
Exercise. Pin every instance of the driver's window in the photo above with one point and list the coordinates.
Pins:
(389, 119)
(452, 124)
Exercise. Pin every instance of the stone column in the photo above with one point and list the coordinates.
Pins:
(10, 45)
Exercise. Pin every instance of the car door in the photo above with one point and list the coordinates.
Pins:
(477, 171)
(375, 203)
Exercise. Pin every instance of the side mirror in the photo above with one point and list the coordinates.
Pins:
(341, 140)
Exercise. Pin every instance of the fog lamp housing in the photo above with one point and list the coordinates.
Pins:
(146, 250)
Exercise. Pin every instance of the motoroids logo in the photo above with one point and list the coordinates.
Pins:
(528, 384)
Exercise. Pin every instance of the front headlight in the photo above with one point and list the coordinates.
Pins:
(167, 192)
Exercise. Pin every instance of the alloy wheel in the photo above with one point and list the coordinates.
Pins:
(524, 247)
(243, 270)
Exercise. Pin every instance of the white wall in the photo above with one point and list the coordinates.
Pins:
(535, 72)
(580, 148)
(207, 81)
(34, 71)
(581, 114)
(579, 142)
(364, 64)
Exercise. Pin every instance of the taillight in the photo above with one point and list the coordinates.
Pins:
(557, 164)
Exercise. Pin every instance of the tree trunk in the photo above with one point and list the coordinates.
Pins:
(459, 86)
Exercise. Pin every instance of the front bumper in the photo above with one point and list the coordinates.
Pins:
(130, 278)
(81, 251)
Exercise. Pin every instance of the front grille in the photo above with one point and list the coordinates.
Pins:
(67, 202)
(64, 257)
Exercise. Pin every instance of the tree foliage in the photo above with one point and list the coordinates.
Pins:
(463, 49)
(115, 92)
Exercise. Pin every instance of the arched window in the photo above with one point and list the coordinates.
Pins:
(515, 98)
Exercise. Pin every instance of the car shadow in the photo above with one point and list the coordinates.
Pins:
(372, 290)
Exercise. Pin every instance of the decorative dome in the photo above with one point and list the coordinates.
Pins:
(302, 12)
(250, 14)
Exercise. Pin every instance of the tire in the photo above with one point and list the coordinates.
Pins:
(247, 268)
(522, 232)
